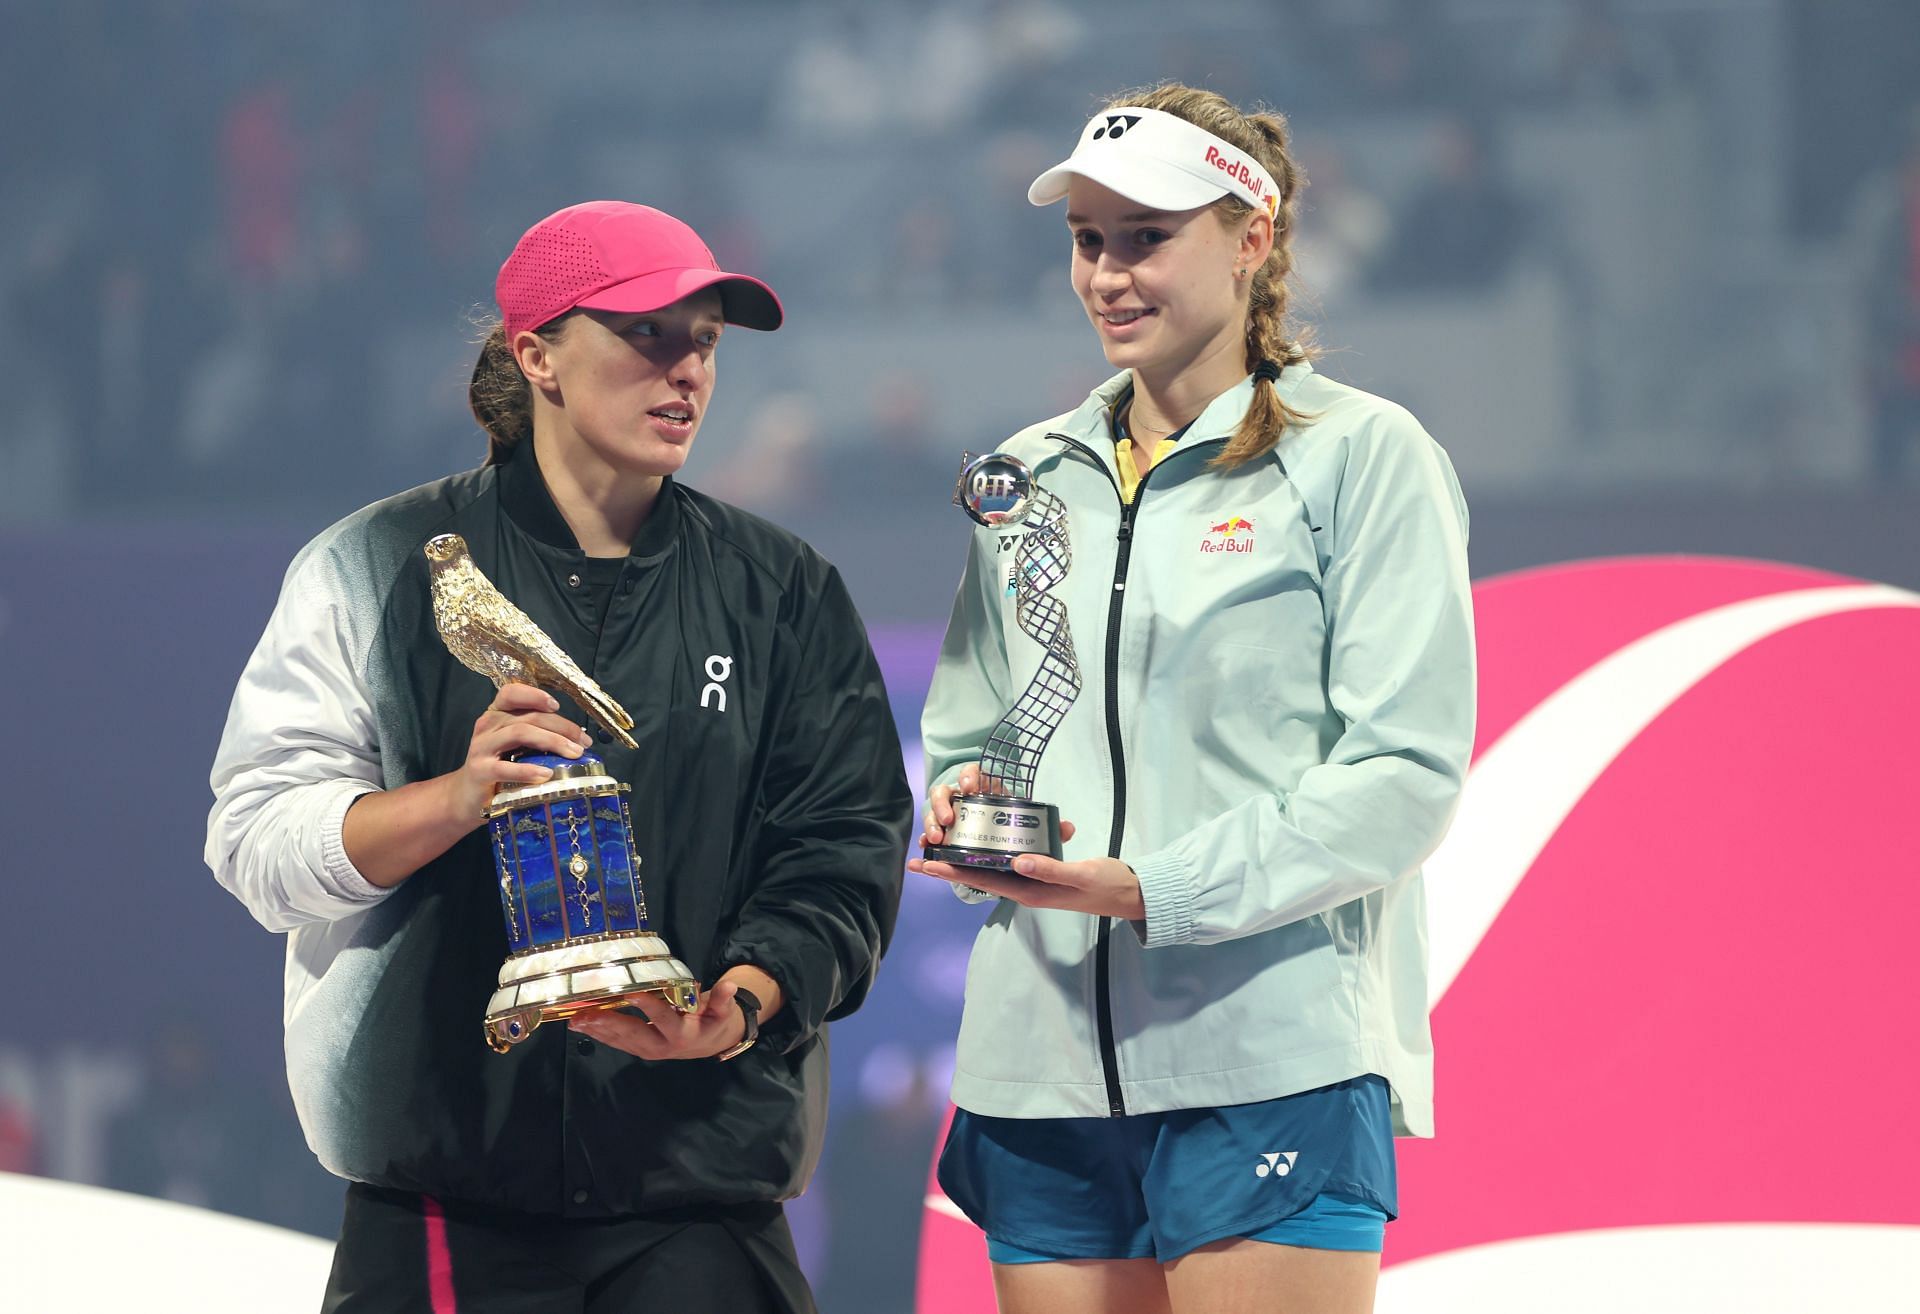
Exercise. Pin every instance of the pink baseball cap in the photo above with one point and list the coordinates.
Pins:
(615, 255)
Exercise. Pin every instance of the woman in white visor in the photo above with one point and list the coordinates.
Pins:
(1188, 1047)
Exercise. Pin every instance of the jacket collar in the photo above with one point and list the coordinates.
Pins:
(528, 503)
(1092, 422)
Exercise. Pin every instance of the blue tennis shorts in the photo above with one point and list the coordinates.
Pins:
(1314, 1169)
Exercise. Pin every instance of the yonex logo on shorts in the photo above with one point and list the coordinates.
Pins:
(1276, 1165)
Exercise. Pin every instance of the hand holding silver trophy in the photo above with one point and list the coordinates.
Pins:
(993, 828)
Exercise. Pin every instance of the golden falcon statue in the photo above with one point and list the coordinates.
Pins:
(492, 636)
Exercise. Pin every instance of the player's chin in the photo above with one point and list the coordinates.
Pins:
(1121, 355)
(652, 457)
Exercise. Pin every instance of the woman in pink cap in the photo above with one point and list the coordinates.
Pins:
(1187, 1047)
(627, 1162)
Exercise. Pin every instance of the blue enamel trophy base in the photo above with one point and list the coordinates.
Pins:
(989, 831)
(576, 916)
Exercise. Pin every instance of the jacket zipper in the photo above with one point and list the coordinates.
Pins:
(1102, 947)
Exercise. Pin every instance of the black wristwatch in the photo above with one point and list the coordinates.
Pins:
(750, 1010)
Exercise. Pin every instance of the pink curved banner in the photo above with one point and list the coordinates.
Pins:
(1674, 1006)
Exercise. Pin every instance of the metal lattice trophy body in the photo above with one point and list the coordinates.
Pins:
(563, 850)
(992, 828)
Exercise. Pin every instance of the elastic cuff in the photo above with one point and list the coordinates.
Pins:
(786, 1029)
(342, 877)
(1167, 890)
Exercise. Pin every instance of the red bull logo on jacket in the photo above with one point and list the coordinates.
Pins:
(1234, 534)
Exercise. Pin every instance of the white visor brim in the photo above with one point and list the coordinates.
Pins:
(1147, 182)
(1158, 160)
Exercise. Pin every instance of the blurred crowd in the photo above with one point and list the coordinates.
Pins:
(251, 235)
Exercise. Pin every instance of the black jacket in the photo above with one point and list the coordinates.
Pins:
(771, 823)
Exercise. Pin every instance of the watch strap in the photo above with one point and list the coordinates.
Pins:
(750, 1010)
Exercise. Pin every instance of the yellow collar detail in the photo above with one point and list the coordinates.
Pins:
(1129, 473)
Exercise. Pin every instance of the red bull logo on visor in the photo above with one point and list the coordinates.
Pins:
(1234, 534)
(1240, 173)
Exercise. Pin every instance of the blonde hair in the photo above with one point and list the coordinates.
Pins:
(1271, 336)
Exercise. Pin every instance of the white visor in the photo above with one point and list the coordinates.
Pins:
(1161, 161)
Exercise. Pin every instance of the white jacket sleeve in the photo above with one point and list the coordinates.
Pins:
(1400, 675)
(299, 747)
(970, 690)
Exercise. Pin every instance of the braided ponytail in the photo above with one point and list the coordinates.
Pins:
(1272, 340)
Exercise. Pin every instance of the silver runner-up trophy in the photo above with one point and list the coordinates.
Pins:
(992, 828)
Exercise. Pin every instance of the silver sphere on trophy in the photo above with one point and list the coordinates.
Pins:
(992, 828)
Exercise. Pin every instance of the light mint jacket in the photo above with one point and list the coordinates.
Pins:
(1279, 697)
